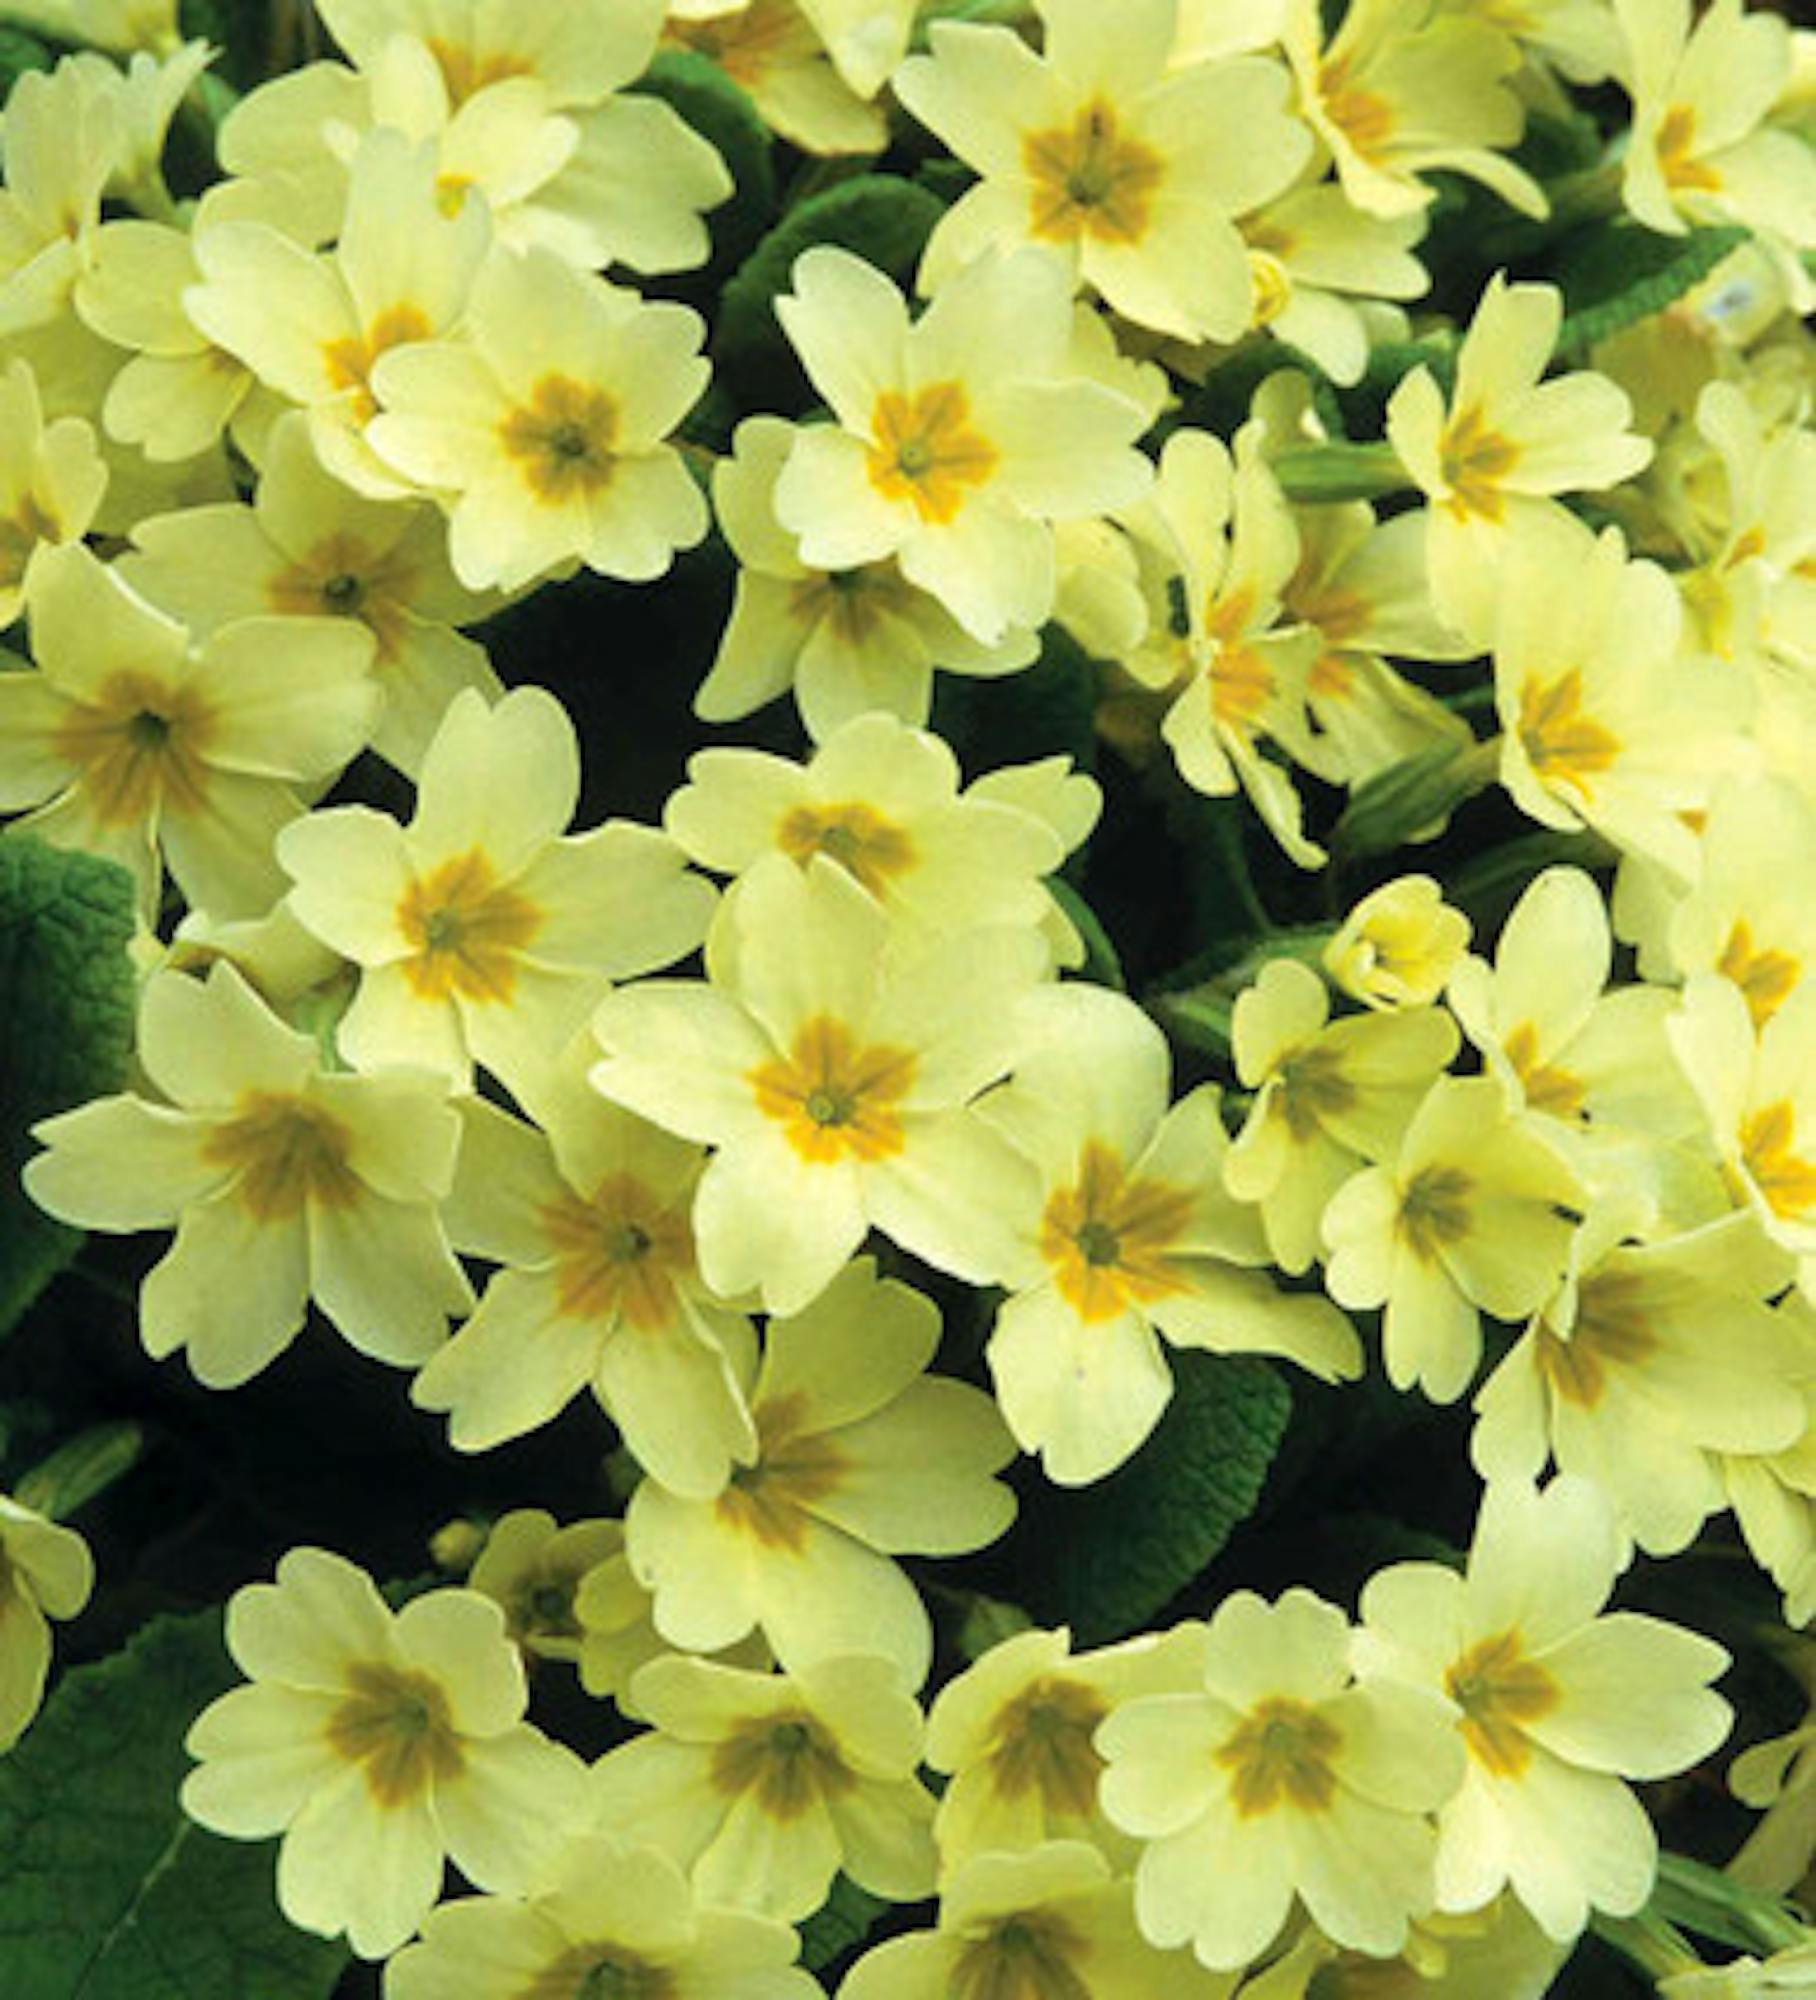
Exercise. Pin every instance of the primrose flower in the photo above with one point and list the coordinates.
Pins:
(771, 51)
(1280, 1779)
(545, 429)
(1554, 1705)
(1015, 1730)
(58, 148)
(481, 932)
(45, 1572)
(1404, 87)
(1492, 459)
(312, 327)
(603, 1917)
(959, 439)
(129, 743)
(378, 1744)
(846, 640)
(1475, 1212)
(1098, 154)
(308, 546)
(882, 801)
(51, 481)
(1651, 1362)
(860, 1456)
(1399, 946)
(764, 1786)
(532, 1569)
(830, 1062)
(285, 1182)
(588, 1221)
(865, 38)
(1048, 1922)
(1329, 1096)
(1125, 1232)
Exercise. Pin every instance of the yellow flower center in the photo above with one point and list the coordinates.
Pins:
(865, 844)
(1473, 461)
(1785, 1179)
(395, 1724)
(542, 1607)
(1611, 1333)
(341, 577)
(788, 1762)
(465, 931)
(834, 1098)
(289, 1154)
(1434, 1209)
(562, 439)
(1106, 1238)
(139, 746)
(618, 1255)
(1499, 1691)
(466, 70)
(1273, 288)
(1313, 1088)
(1282, 1754)
(770, 1500)
(1676, 144)
(600, 1971)
(20, 533)
(1563, 745)
(1240, 680)
(1041, 1743)
(1765, 976)
(1548, 1087)
(1365, 118)
(349, 361)
(1090, 179)
(924, 450)
(1032, 1955)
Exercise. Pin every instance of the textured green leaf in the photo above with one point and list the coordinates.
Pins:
(66, 997)
(1623, 274)
(1108, 1558)
(840, 1924)
(1047, 709)
(883, 220)
(722, 114)
(1413, 799)
(107, 1892)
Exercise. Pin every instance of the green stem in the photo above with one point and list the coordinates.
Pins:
(1649, 1943)
(77, 1471)
(1714, 1905)
(1322, 473)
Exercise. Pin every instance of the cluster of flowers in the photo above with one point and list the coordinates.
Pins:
(372, 1049)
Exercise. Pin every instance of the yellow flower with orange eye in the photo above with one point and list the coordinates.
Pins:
(285, 1182)
(1125, 1232)
(132, 743)
(1554, 1704)
(405, 1745)
(482, 933)
(960, 439)
(829, 1061)
(1103, 157)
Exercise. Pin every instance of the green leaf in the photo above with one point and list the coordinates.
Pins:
(697, 88)
(1221, 402)
(1365, 405)
(18, 53)
(882, 219)
(1102, 966)
(1621, 274)
(1108, 1558)
(66, 997)
(1412, 800)
(1047, 709)
(840, 1924)
(107, 1892)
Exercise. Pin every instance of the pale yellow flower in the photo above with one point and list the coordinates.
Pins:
(1553, 1704)
(377, 1744)
(771, 51)
(46, 1572)
(861, 1456)
(130, 743)
(545, 430)
(51, 481)
(1399, 945)
(603, 1917)
(1280, 1781)
(1095, 152)
(58, 148)
(532, 1569)
(764, 1786)
(286, 1182)
(1474, 1212)
(483, 933)
(960, 439)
